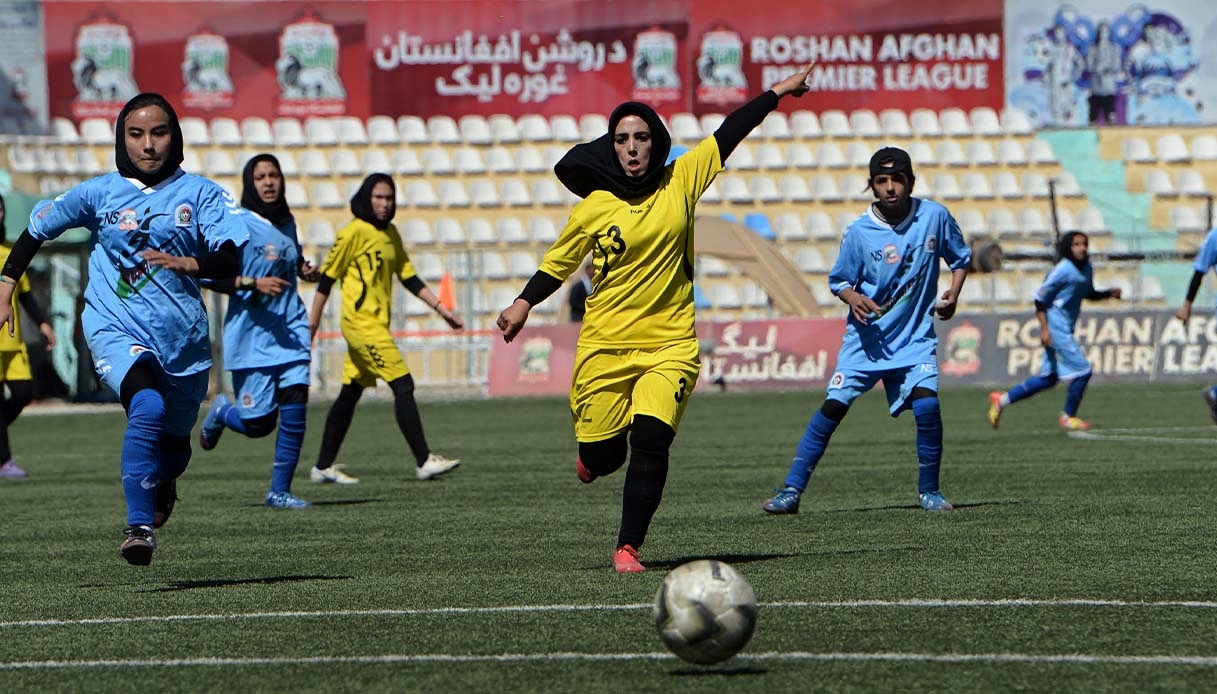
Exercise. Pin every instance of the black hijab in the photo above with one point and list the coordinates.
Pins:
(361, 201)
(592, 166)
(277, 212)
(173, 157)
(1064, 249)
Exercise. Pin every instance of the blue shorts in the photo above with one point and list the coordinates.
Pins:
(113, 360)
(258, 389)
(846, 385)
(1065, 358)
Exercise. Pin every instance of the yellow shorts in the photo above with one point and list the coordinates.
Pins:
(15, 366)
(611, 386)
(373, 358)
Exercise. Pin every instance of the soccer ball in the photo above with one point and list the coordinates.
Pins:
(705, 611)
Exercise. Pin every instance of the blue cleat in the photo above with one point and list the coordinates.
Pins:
(213, 425)
(1210, 399)
(934, 501)
(285, 500)
(785, 501)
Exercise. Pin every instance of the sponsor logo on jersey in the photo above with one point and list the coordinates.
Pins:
(183, 216)
(127, 220)
(891, 255)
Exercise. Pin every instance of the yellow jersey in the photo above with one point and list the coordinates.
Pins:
(364, 260)
(14, 343)
(642, 291)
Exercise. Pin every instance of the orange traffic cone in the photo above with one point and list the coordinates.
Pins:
(447, 296)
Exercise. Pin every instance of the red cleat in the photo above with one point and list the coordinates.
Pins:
(625, 560)
(585, 476)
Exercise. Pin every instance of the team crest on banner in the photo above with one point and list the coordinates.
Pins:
(205, 72)
(655, 76)
(962, 350)
(103, 70)
(720, 72)
(534, 359)
(307, 70)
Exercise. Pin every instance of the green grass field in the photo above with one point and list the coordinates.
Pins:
(1070, 564)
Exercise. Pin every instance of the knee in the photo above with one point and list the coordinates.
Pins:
(402, 387)
(258, 427)
(650, 434)
(834, 410)
(20, 393)
(293, 395)
(147, 408)
(602, 457)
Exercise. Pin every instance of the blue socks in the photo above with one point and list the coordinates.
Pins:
(141, 455)
(811, 448)
(287, 446)
(1073, 398)
(1030, 387)
(929, 443)
(231, 416)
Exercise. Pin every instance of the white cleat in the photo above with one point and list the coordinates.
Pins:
(437, 465)
(332, 475)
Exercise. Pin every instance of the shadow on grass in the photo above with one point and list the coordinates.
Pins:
(225, 582)
(712, 671)
(732, 559)
(898, 507)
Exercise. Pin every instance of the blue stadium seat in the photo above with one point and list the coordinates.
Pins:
(759, 222)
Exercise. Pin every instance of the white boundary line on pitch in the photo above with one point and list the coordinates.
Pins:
(838, 604)
(1065, 658)
(1146, 435)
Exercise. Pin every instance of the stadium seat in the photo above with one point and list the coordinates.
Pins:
(710, 266)
(924, 188)
(22, 159)
(520, 264)
(417, 232)
(1191, 182)
(480, 231)
(865, 123)
(825, 189)
(1031, 221)
(474, 130)
(821, 227)
(776, 126)
(406, 162)
(858, 154)
(794, 188)
(1204, 148)
(500, 128)
(287, 162)
(1004, 293)
(97, 131)
(980, 153)
(1172, 149)
(954, 123)
(565, 128)
(799, 156)
(1136, 150)
(295, 195)
(452, 194)
(759, 223)
(412, 130)
(325, 195)
(971, 222)
(225, 132)
(437, 161)
(1015, 122)
(723, 296)
(483, 193)
(946, 187)
(950, 153)
(830, 156)
(711, 196)
(86, 162)
(922, 153)
(318, 232)
(542, 230)
(429, 266)
(592, 125)
(64, 130)
(194, 131)
(1035, 185)
(547, 193)
(752, 295)
(742, 159)
(1002, 221)
(320, 132)
(420, 193)
(350, 131)
(374, 159)
(1090, 220)
(895, 123)
(1010, 152)
(219, 162)
(835, 123)
(1066, 184)
(449, 232)
(975, 186)
(1158, 183)
(1151, 289)
(710, 123)
(805, 125)
(1184, 218)
(1040, 152)
(985, 122)
(443, 130)
(288, 132)
(685, 127)
(790, 228)
(855, 187)
(382, 131)
(534, 128)
(764, 190)
(809, 259)
(499, 160)
(514, 193)
(468, 161)
(314, 164)
(769, 157)
(530, 160)
(924, 123)
(510, 229)
(494, 267)
(735, 189)
(256, 133)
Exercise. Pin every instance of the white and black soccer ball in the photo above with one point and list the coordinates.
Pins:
(705, 611)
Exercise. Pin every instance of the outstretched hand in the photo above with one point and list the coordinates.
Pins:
(945, 307)
(511, 321)
(186, 265)
(796, 84)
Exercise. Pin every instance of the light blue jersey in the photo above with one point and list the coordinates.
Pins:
(263, 331)
(1063, 290)
(897, 267)
(133, 309)
(1206, 257)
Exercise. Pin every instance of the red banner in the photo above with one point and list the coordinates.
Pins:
(875, 56)
(496, 56)
(209, 59)
(758, 354)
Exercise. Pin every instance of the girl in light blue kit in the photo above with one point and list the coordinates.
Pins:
(1057, 304)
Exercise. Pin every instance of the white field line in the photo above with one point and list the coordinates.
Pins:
(452, 611)
(1150, 435)
(448, 658)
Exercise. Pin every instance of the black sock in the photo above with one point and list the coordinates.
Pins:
(408, 419)
(337, 422)
(605, 457)
(650, 440)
